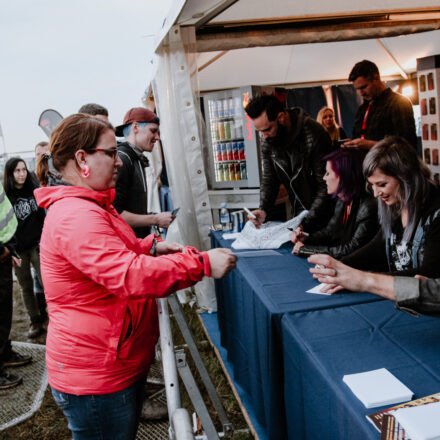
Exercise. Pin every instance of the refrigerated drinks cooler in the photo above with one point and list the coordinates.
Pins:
(233, 143)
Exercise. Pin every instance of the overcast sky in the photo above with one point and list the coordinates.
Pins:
(63, 54)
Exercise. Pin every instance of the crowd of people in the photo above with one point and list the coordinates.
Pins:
(83, 229)
(83, 223)
(373, 207)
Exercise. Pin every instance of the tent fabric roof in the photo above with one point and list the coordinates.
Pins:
(318, 62)
(266, 55)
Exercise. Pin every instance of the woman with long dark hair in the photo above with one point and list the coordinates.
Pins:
(354, 221)
(408, 243)
(19, 187)
(409, 213)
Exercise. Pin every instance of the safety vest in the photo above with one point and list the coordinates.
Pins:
(8, 221)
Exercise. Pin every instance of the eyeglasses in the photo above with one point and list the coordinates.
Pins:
(112, 152)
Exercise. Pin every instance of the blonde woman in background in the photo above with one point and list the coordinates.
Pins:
(326, 117)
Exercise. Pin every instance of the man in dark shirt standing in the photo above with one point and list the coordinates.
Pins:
(383, 111)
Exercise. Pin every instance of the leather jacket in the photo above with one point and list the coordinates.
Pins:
(297, 164)
(338, 239)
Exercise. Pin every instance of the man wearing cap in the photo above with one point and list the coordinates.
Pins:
(141, 131)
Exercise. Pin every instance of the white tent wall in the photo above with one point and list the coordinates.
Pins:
(175, 87)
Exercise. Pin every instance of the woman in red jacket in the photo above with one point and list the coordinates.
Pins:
(101, 284)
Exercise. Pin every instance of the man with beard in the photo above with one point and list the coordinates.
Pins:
(383, 112)
(293, 150)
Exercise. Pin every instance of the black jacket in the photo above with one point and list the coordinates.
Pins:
(131, 186)
(337, 239)
(373, 256)
(298, 165)
(389, 114)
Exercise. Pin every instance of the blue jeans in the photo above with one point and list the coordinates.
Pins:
(112, 416)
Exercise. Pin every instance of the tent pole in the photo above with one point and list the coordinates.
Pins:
(402, 72)
(212, 60)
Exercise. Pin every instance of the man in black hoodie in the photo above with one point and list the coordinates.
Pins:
(292, 154)
(141, 131)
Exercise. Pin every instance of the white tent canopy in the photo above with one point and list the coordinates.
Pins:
(211, 45)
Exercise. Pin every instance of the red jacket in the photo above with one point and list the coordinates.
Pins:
(98, 278)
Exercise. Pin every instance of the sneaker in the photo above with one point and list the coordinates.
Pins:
(17, 360)
(9, 380)
(153, 410)
(35, 330)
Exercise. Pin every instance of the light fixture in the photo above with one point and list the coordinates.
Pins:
(407, 91)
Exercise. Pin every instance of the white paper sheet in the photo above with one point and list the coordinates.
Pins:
(230, 235)
(420, 422)
(317, 289)
(259, 253)
(270, 235)
(377, 388)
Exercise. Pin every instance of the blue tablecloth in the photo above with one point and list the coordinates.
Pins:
(251, 302)
(320, 347)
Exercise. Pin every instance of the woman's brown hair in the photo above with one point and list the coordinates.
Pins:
(76, 132)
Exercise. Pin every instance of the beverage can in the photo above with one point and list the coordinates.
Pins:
(227, 125)
(233, 129)
(221, 130)
(226, 176)
(231, 171)
(225, 108)
(217, 173)
(241, 154)
(230, 107)
(237, 172)
(219, 109)
(228, 151)
(224, 152)
(235, 151)
(240, 220)
(243, 171)
(218, 152)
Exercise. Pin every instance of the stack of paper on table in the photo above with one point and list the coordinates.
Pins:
(420, 422)
(377, 388)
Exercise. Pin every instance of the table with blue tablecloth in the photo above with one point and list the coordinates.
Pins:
(321, 346)
(251, 302)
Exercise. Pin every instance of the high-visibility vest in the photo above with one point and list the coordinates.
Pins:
(8, 221)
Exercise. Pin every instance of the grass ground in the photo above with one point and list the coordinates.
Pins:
(49, 423)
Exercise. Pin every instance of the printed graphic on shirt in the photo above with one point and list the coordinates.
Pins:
(401, 254)
(24, 208)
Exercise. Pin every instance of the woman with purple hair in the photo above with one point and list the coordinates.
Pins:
(354, 221)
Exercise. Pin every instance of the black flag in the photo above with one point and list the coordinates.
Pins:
(49, 119)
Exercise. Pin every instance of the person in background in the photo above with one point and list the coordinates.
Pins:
(409, 214)
(8, 357)
(102, 283)
(96, 110)
(19, 188)
(383, 112)
(326, 117)
(141, 131)
(52, 178)
(41, 148)
(292, 155)
(354, 222)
